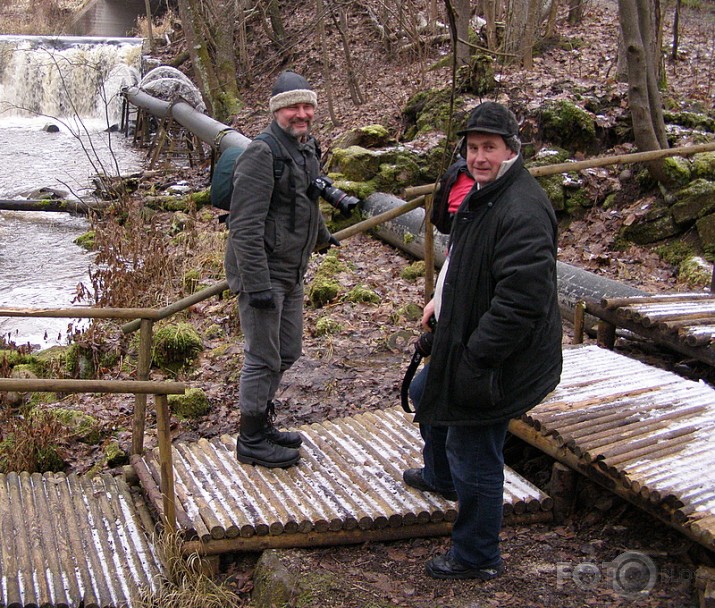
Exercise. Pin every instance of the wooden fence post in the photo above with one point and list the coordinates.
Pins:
(143, 366)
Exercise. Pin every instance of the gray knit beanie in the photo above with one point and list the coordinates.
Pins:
(290, 89)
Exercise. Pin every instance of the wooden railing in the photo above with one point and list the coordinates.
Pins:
(140, 388)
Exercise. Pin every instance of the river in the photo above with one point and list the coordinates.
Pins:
(40, 265)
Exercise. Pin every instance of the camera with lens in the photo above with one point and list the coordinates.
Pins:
(423, 346)
(342, 201)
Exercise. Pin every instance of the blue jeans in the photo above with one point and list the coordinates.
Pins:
(472, 459)
(273, 341)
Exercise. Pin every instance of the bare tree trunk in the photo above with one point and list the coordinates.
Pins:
(643, 95)
(490, 16)
(676, 33)
(147, 6)
(551, 23)
(462, 14)
(341, 25)
(279, 32)
(575, 11)
(212, 57)
(320, 13)
(529, 34)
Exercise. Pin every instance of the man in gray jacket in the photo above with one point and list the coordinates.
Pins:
(274, 225)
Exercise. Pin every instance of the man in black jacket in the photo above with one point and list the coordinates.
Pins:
(497, 345)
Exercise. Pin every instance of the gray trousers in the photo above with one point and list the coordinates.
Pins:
(272, 343)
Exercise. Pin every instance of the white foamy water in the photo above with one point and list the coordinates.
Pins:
(40, 265)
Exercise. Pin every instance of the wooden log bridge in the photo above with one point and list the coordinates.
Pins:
(347, 488)
(646, 434)
(67, 540)
(683, 322)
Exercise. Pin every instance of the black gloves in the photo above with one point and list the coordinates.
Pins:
(262, 300)
(332, 242)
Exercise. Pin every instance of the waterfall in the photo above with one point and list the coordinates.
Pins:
(67, 77)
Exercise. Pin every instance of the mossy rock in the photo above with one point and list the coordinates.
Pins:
(695, 201)
(429, 111)
(322, 291)
(553, 185)
(326, 326)
(654, 226)
(695, 272)
(214, 332)
(548, 156)
(393, 177)
(370, 136)
(675, 252)
(175, 347)
(414, 271)
(330, 265)
(86, 240)
(192, 404)
(84, 427)
(690, 120)
(361, 293)
(704, 166)
(356, 163)
(677, 170)
(478, 77)
(114, 455)
(566, 124)
(577, 199)
(79, 362)
(706, 232)
(22, 371)
(180, 222)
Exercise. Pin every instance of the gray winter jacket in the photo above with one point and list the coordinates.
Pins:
(270, 237)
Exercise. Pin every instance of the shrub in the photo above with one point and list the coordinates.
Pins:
(32, 443)
(176, 346)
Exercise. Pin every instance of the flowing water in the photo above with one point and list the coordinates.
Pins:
(71, 83)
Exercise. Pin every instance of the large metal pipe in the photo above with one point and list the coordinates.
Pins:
(207, 129)
(406, 232)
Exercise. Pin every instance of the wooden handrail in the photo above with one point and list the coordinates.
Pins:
(140, 388)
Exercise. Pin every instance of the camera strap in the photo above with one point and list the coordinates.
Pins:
(409, 375)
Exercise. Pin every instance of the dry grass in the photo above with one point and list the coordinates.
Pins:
(185, 584)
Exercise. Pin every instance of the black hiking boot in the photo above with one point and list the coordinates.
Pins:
(253, 447)
(288, 439)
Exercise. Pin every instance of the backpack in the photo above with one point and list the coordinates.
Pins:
(440, 216)
(222, 178)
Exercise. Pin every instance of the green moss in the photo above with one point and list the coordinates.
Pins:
(322, 291)
(214, 331)
(191, 280)
(567, 125)
(695, 272)
(79, 362)
(356, 163)
(553, 185)
(414, 271)
(360, 293)
(704, 166)
(201, 198)
(192, 404)
(477, 78)
(394, 176)
(84, 427)
(677, 170)
(86, 240)
(330, 265)
(175, 347)
(326, 326)
(690, 120)
(674, 252)
(114, 455)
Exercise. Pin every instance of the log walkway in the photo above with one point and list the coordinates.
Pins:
(683, 322)
(644, 433)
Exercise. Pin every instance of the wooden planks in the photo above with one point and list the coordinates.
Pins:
(69, 541)
(346, 488)
(645, 433)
